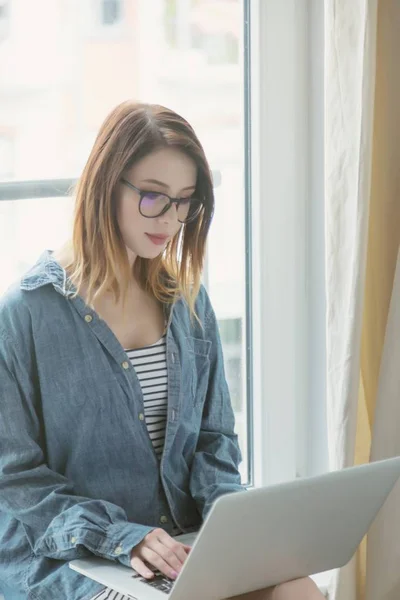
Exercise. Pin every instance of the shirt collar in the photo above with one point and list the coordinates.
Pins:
(47, 271)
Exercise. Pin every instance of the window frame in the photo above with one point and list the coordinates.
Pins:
(287, 278)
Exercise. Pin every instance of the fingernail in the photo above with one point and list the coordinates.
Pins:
(149, 574)
(174, 574)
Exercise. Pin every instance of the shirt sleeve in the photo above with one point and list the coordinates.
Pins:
(215, 468)
(57, 522)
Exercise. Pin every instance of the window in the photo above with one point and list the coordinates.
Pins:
(264, 269)
(185, 54)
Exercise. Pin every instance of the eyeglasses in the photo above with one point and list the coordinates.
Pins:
(155, 204)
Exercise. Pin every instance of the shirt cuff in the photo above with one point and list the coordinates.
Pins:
(121, 539)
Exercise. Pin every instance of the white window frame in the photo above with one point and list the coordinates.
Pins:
(289, 429)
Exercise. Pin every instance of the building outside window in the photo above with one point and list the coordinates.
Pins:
(111, 12)
(4, 19)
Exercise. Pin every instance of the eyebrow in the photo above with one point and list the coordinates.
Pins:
(164, 185)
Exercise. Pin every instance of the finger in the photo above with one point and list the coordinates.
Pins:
(166, 539)
(162, 537)
(168, 556)
(176, 547)
(138, 565)
(158, 561)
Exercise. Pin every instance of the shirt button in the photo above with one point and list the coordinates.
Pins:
(141, 417)
(88, 318)
(73, 540)
(118, 550)
(163, 519)
(125, 365)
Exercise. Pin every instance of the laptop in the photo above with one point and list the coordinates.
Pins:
(265, 536)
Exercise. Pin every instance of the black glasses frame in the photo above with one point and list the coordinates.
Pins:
(198, 205)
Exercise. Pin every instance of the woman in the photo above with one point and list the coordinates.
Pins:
(116, 429)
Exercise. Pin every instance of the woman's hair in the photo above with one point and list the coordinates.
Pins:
(129, 133)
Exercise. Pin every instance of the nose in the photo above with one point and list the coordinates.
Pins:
(171, 216)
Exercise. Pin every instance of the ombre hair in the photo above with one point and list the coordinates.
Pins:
(129, 133)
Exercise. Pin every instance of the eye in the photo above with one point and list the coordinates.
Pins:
(186, 201)
(153, 195)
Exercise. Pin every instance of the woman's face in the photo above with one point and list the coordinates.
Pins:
(166, 171)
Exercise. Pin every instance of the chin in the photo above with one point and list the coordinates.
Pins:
(145, 252)
(150, 255)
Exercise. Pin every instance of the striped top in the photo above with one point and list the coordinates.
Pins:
(150, 364)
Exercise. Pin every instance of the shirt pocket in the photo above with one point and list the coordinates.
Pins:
(199, 351)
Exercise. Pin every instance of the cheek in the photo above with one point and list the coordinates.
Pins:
(129, 218)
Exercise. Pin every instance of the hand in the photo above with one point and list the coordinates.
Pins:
(159, 550)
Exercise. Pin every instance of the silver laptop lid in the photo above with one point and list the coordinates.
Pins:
(265, 536)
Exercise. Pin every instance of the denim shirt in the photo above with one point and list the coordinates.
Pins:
(78, 472)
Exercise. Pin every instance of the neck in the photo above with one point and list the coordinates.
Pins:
(131, 257)
(64, 256)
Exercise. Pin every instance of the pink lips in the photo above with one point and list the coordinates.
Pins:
(159, 240)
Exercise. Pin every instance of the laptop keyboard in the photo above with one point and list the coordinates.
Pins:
(159, 581)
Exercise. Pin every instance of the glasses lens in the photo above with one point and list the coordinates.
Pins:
(153, 204)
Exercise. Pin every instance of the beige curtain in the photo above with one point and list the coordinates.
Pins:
(383, 547)
(381, 327)
(362, 111)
